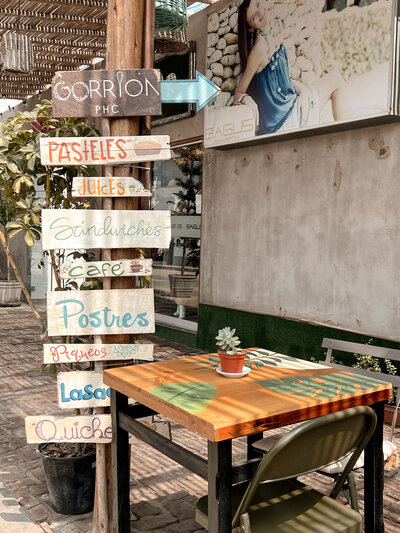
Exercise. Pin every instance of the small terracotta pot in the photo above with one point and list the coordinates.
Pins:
(232, 364)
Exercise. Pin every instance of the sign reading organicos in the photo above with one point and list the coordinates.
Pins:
(72, 229)
(82, 389)
(68, 151)
(106, 93)
(107, 187)
(100, 312)
(77, 353)
(104, 269)
(46, 428)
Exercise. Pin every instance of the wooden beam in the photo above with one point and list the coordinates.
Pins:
(36, 17)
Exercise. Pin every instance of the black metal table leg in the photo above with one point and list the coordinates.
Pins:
(374, 477)
(120, 466)
(252, 453)
(220, 486)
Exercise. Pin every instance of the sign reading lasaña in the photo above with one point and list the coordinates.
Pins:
(103, 150)
(106, 93)
(72, 229)
(46, 428)
(105, 269)
(100, 312)
(78, 353)
(82, 389)
(107, 187)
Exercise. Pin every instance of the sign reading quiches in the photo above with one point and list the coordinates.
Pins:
(100, 312)
(76, 353)
(82, 389)
(103, 150)
(72, 229)
(47, 428)
(107, 187)
(105, 269)
(106, 93)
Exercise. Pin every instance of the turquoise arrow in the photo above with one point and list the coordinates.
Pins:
(200, 91)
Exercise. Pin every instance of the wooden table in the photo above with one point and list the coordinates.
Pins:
(279, 390)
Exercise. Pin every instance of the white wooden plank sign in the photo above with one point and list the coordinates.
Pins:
(82, 389)
(113, 187)
(76, 353)
(100, 312)
(103, 150)
(72, 229)
(47, 428)
(104, 269)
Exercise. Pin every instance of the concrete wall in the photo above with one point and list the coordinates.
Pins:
(306, 229)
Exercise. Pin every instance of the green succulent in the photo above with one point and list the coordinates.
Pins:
(227, 342)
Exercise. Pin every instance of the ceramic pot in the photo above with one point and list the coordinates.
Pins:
(233, 364)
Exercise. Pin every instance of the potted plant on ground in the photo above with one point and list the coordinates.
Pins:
(231, 357)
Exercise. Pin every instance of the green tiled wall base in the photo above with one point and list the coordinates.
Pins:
(290, 337)
(176, 335)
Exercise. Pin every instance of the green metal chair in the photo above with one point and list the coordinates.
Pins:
(275, 501)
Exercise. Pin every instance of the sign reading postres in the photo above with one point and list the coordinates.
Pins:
(100, 312)
(106, 93)
(71, 229)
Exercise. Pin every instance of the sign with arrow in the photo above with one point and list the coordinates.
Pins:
(200, 91)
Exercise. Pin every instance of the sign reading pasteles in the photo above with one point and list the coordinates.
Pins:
(106, 93)
(103, 150)
(100, 312)
(72, 229)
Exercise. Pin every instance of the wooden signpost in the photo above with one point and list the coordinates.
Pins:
(106, 93)
(78, 353)
(47, 428)
(72, 229)
(66, 151)
(82, 389)
(100, 312)
(114, 187)
(104, 269)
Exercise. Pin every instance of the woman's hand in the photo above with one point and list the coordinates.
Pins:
(303, 106)
(249, 102)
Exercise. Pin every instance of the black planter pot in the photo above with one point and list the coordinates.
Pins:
(70, 481)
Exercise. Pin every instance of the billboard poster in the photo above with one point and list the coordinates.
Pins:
(286, 65)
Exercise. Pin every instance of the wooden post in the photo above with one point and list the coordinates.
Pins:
(124, 51)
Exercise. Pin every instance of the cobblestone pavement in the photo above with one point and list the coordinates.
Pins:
(162, 492)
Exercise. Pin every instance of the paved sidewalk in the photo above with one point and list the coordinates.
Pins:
(162, 492)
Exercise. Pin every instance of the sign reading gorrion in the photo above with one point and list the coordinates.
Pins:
(106, 93)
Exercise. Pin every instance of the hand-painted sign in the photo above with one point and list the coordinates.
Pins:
(107, 187)
(106, 93)
(103, 150)
(100, 312)
(107, 269)
(77, 353)
(72, 229)
(200, 91)
(47, 428)
(186, 226)
(82, 389)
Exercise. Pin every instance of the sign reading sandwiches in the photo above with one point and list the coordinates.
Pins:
(103, 150)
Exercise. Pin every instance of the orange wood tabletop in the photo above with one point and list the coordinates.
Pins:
(278, 390)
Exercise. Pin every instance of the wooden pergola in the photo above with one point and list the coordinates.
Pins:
(65, 34)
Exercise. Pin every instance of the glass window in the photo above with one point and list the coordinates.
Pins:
(176, 186)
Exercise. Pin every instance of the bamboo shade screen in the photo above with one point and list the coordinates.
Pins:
(16, 53)
(171, 42)
(171, 15)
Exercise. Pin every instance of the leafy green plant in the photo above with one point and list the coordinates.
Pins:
(227, 342)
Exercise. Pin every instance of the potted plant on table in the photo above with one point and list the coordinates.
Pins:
(231, 357)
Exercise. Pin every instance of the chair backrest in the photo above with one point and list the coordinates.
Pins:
(366, 349)
(314, 445)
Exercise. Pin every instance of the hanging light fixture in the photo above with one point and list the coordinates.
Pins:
(16, 50)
